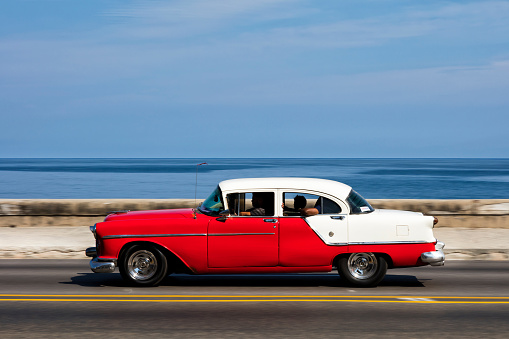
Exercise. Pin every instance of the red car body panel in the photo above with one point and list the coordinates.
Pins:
(243, 242)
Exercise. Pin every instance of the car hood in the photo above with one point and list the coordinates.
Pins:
(155, 214)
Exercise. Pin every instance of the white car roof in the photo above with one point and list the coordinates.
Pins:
(330, 187)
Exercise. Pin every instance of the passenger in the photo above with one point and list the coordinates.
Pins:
(258, 208)
(328, 207)
(299, 202)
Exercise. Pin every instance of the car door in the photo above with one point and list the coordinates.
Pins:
(244, 241)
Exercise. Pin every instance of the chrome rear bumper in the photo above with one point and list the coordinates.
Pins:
(435, 258)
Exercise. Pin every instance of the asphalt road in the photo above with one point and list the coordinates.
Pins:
(52, 298)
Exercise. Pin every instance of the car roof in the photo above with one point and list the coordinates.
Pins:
(331, 187)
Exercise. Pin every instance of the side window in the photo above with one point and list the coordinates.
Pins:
(297, 204)
(327, 206)
(251, 204)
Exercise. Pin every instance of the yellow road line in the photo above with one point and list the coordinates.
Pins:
(269, 300)
(235, 300)
(241, 296)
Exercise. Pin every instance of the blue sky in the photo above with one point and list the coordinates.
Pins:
(265, 78)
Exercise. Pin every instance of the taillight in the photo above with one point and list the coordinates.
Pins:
(435, 221)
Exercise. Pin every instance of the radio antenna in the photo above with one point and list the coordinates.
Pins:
(196, 184)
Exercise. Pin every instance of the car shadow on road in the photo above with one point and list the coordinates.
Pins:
(97, 280)
(245, 280)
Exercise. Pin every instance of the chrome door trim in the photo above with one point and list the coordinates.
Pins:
(226, 234)
(122, 236)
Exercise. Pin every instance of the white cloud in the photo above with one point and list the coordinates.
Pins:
(184, 18)
(195, 9)
(239, 22)
(460, 21)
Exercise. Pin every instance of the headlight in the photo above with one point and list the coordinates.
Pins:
(92, 229)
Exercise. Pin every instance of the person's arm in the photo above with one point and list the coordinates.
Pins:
(307, 212)
(253, 212)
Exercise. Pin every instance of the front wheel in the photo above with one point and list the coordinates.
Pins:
(362, 269)
(143, 265)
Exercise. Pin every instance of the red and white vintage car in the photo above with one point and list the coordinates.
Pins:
(267, 225)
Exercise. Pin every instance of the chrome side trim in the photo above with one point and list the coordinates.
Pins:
(374, 243)
(390, 242)
(121, 236)
(223, 234)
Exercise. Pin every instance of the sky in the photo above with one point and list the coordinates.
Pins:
(243, 78)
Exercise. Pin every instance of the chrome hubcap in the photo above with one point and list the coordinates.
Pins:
(142, 265)
(362, 265)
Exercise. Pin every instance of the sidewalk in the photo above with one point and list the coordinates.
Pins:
(45, 242)
(71, 242)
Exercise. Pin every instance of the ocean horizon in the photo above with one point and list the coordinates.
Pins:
(174, 178)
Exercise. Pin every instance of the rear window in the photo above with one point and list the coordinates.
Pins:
(358, 204)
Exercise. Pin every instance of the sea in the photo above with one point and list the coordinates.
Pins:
(188, 178)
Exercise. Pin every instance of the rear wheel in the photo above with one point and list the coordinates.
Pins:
(362, 269)
(143, 265)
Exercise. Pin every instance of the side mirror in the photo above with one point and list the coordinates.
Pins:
(223, 215)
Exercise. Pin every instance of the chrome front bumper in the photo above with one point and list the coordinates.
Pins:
(102, 266)
(98, 265)
(435, 258)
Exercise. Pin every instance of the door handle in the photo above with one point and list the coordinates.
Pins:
(337, 217)
(270, 220)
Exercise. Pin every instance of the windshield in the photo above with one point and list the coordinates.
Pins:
(358, 204)
(213, 204)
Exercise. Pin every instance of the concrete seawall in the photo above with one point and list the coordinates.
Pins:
(463, 213)
(75, 212)
(82, 212)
